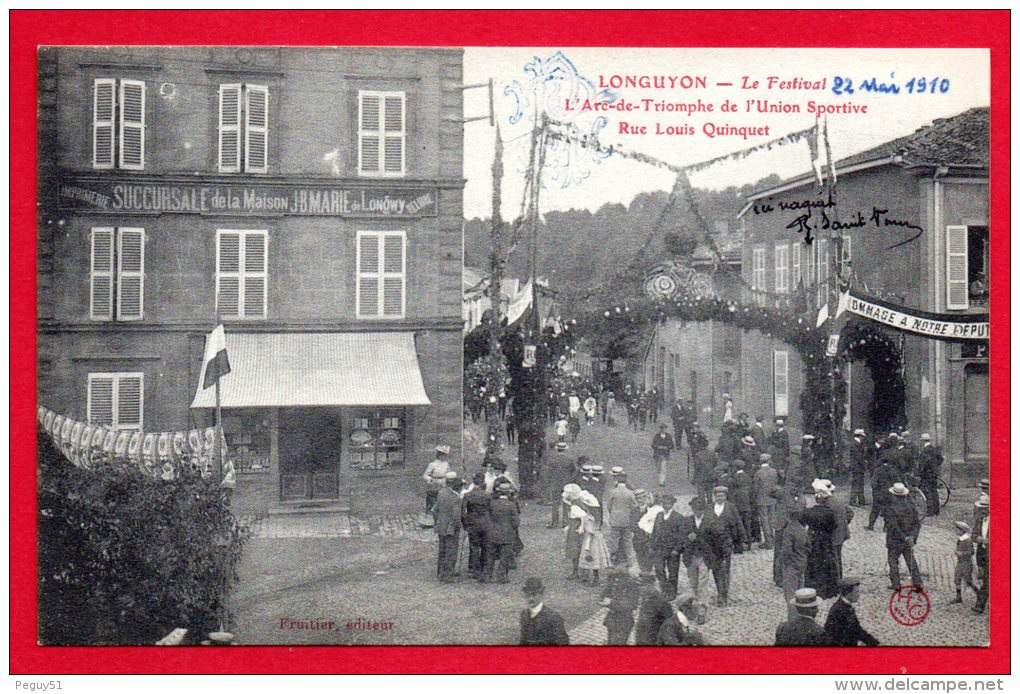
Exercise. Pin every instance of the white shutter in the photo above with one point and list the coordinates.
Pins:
(228, 273)
(132, 124)
(957, 295)
(100, 399)
(780, 383)
(368, 275)
(393, 134)
(256, 110)
(130, 273)
(822, 247)
(782, 268)
(230, 128)
(369, 135)
(254, 276)
(101, 284)
(103, 94)
(393, 275)
(795, 265)
(129, 401)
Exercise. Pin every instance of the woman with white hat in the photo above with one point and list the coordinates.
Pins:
(822, 572)
(594, 551)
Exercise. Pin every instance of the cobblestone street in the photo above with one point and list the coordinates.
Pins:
(381, 568)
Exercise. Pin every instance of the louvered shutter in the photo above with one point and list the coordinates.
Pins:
(781, 382)
(822, 246)
(256, 154)
(129, 401)
(368, 275)
(393, 134)
(103, 94)
(795, 265)
(957, 295)
(228, 273)
(393, 275)
(101, 291)
(230, 128)
(100, 399)
(130, 273)
(132, 124)
(782, 268)
(254, 275)
(368, 133)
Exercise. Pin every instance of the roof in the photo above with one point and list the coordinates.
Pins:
(961, 140)
(318, 370)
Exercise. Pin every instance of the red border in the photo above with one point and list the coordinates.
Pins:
(29, 29)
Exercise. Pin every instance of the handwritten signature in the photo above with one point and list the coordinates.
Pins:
(879, 217)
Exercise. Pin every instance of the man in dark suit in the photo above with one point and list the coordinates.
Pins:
(724, 533)
(667, 545)
(881, 480)
(448, 523)
(662, 446)
(505, 519)
(698, 555)
(901, 522)
(778, 444)
(929, 466)
(859, 451)
(560, 472)
(803, 630)
(478, 524)
(540, 625)
(980, 535)
(653, 611)
(842, 625)
(621, 597)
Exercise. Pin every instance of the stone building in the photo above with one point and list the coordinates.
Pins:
(309, 199)
(915, 232)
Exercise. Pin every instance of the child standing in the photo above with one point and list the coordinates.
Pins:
(574, 425)
(964, 561)
(562, 428)
(594, 551)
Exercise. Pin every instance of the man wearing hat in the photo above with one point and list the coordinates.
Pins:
(620, 506)
(964, 572)
(662, 446)
(858, 468)
(842, 625)
(448, 522)
(435, 476)
(803, 630)
(679, 629)
(749, 451)
(621, 597)
(560, 470)
(724, 533)
(505, 519)
(698, 555)
(478, 524)
(667, 545)
(900, 527)
(758, 432)
(981, 552)
(653, 611)
(540, 625)
(792, 553)
(764, 485)
(778, 444)
(929, 465)
(882, 480)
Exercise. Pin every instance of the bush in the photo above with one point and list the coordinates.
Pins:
(124, 558)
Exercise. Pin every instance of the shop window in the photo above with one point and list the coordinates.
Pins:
(117, 275)
(118, 124)
(377, 439)
(115, 400)
(243, 128)
(247, 436)
(381, 133)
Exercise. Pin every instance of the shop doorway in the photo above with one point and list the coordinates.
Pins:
(976, 413)
(310, 453)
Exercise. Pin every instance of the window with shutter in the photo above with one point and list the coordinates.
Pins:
(795, 265)
(381, 133)
(130, 273)
(957, 296)
(256, 128)
(381, 277)
(132, 124)
(101, 294)
(822, 262)
(241, 273)
(780, 383)
(230, 128)
(782, 268)
(116, 400)
(103, 94)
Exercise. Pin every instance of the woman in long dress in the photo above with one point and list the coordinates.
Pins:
(822, 572)
(594, 551)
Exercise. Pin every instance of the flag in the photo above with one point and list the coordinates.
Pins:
(828, 152)
(815, 144)
(823, 315)
(519, 304)
(215, 360)
(844, 299)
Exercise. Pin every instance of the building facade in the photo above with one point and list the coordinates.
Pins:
(311, 201)
(914, 223)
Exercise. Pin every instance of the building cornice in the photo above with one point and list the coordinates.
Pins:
(345, 326)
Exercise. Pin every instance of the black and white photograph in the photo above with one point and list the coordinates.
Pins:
(513, 346)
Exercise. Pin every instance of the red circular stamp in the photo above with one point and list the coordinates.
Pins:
(909, 606)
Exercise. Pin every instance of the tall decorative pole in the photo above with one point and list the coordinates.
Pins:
(494, 383)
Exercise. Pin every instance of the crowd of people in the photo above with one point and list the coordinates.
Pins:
(754, 492)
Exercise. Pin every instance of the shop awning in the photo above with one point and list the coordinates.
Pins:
(318, 369)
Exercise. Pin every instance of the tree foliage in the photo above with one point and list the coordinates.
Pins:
(124, 558)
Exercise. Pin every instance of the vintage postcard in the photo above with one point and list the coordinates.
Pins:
(515, 345)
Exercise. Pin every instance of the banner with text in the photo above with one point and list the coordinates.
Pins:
(264, 199)
(943, 326)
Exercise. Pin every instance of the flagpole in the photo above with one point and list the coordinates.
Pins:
(218, 457)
